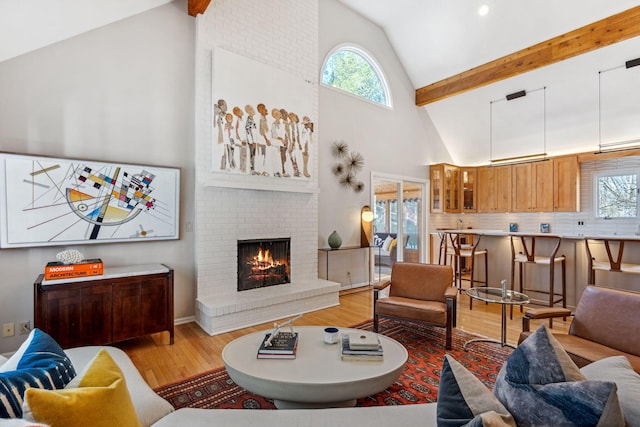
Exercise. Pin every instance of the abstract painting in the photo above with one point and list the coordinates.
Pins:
(46, 201)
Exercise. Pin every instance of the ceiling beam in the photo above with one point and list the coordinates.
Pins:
(198, 6)
(605, 32)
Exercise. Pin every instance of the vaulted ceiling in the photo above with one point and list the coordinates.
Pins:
(434, 40)
(438, 40)
(29, 25)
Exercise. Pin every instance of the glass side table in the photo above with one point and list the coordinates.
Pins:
(494, 295)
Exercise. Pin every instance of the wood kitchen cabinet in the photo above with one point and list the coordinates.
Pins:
(494, 189)
(122, 303)
(436, 183)
(468, 189)
(566, 179)
(445, 188)
(451, 189)
(550, 185)
(532, 185)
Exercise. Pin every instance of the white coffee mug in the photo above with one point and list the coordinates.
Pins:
(331, 335)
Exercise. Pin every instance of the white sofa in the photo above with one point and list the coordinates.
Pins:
(155, 411)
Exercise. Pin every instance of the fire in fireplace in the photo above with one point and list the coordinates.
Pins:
(263, 262)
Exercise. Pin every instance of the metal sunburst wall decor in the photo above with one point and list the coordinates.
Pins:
(348, 166)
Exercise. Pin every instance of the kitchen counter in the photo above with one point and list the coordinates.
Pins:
(584, 253)
(500, 233)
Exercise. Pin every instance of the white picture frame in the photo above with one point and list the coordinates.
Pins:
(49, 201)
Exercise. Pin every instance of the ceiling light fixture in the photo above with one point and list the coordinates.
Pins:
(630, 144)
(483, 10)
(516, 95)
(525, 158)
(529, 158)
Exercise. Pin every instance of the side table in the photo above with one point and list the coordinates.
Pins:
(327, 251)
(494, 295)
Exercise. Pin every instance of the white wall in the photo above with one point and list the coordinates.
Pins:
(399, 141)
(131, 84)
(124, 92)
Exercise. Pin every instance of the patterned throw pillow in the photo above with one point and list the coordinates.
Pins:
(101, 399)
(464, 401)
(541, 386)
(42, 365)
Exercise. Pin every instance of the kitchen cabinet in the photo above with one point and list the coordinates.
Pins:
(550, 185)
(436, 183)
(566, 180)
(468, 190)
(445, 188)
(451, 189)
(494, 189)
(532, 185)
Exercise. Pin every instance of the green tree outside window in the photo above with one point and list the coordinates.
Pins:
(353, 72)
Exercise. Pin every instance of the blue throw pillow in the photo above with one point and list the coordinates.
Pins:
(541, 386)
(464, 401)
(42, 365)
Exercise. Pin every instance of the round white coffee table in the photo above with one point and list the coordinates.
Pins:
(317, 377)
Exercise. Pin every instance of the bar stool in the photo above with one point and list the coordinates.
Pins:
(613, 262)
(444, 250)
(528, 256)
(461, 250)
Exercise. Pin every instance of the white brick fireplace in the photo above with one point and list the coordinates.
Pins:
(227, 215)
(251, 207)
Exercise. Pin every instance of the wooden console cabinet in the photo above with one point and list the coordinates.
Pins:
(123, 303)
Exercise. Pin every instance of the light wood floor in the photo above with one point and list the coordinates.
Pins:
(194, 351)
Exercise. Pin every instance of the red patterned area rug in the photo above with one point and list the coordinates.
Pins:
(417, 384)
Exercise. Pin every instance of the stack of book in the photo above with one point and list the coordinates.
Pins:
(282, 346)
(362, 346)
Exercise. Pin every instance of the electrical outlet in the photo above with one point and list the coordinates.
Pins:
(349, 273)
(24, 327)
(7, 330)
(580, 223)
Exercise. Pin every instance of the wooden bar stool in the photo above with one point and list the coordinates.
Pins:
(528, 256)
(460, 250)
(444, 250)
(612, 263)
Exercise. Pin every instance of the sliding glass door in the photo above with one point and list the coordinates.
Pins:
(399, 221)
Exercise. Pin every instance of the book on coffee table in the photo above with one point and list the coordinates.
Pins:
(284, 343)
(347, 349)
(363, 341)
(367, 355)
(275, 356)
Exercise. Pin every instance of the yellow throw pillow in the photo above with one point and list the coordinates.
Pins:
(101, 399)
(394, 242)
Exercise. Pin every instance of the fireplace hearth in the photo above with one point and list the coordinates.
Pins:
(263, 262)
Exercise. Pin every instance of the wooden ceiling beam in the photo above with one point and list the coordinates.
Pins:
(198, 6)
(607, 31)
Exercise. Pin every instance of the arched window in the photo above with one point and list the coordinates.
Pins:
(353, 70)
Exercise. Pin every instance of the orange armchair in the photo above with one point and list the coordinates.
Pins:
(418, 292)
